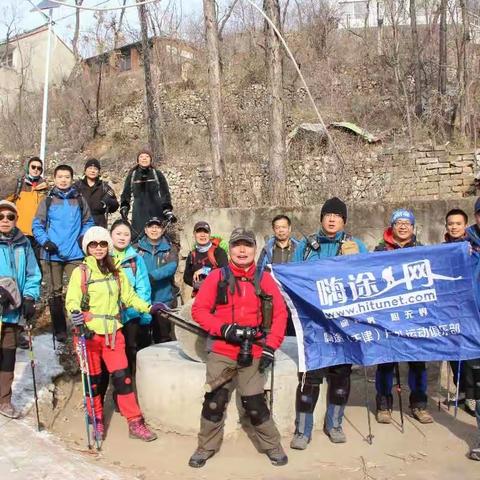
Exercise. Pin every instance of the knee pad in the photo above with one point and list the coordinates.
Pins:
(122, 381)
(214, 405)
(95, 383)
(307, 398)
(256, 408)
(339, 389)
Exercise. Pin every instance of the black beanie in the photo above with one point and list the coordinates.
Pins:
(92, 162)
(334, 205)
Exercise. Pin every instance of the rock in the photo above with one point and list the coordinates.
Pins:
(170, 390)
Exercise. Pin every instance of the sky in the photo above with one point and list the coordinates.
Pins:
(64, 16)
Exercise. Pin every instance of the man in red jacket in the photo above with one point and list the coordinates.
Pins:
(229, 307)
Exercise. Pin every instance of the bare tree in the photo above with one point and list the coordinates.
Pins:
(76, 31)
(117, 26)
(215, 123)
(276, 158)
(416, 59)
(155, 133)
(442, 53)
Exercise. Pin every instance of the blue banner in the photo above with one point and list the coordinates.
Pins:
(403, 305)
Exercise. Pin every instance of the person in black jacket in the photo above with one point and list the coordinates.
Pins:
(150, 192)
(99, 194)
(206, 256)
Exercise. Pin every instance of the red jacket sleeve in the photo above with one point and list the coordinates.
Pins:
(204, 302)
(279, 321)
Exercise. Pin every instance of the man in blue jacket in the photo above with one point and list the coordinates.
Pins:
(20, 279)
(279, 248)
(330, 241)
(161, 259)
(61, 220)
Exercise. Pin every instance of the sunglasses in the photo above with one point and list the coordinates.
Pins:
(102, 244)
(7, 216)
(39, 168)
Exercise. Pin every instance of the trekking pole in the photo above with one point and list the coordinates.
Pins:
(50, 298)
(83, 346)
(439, 385)
(367, 406)
(458, 388)
(84, 392)
(28, 328)
(399, 392)
(272, 381)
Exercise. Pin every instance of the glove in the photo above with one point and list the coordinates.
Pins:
(232, 332)
(169, 216)
(50, 247)
(266, 359)
(77, 318)
(28, 310)
(158, 307)
(124, 213)
(5, 298)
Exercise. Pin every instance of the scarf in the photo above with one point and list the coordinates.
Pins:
(203, 248)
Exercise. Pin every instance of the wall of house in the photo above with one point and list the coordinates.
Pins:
(28, 69)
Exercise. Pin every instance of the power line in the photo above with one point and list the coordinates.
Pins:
(109, 9)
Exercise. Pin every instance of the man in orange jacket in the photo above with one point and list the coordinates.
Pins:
(229, 307)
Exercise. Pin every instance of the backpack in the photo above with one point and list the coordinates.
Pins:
(85, 282)
(228, 281)
(49, 200)
(132, 263)
(210, 253)
(312, 239)
(18, 188)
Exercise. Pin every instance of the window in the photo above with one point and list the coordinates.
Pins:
(126, 61)
(353, 13)
(6, 59)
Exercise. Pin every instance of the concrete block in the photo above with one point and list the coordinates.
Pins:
(170, 389)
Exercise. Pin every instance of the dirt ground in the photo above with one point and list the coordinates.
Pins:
(436, 451)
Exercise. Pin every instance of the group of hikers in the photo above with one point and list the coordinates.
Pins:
(121, 284)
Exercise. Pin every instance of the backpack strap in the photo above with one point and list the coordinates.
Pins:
(18, 188)
(84, 279)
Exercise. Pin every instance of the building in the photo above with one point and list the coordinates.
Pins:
(171, 58)
(22, 64)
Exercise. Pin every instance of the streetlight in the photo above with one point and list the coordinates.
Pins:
(46, 5)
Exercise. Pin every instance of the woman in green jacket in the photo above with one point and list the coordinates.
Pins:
(96, 293)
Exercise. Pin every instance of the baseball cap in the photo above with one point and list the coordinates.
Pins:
(202, 225)
(155, 220)
(6, 205)
(241, 233)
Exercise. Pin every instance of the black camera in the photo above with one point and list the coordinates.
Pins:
(245, 356)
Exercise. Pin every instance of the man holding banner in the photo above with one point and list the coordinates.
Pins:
(330, 241)
(407, 304)
(400, 235)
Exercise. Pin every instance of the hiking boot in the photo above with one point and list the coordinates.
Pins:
(422, 415)
(7, 410)
(277, 456)
(200, 457)
(299, 441)
(470, 406)
(61, 337)
(474, 453)
(138, 429)
(23, 341)
(336, 434)
(384, 416)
